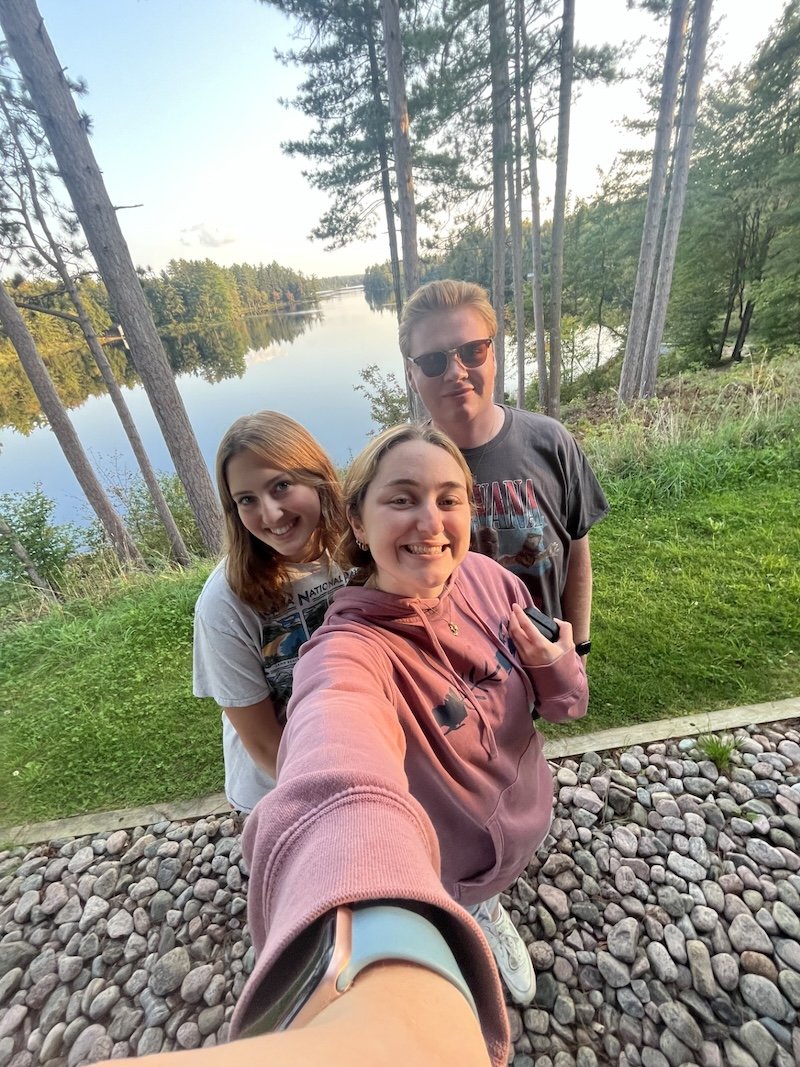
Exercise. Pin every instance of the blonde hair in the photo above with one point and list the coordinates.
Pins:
(255, 572)
(360, 476)
(442, 296)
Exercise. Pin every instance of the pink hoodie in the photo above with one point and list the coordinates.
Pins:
(405, 711)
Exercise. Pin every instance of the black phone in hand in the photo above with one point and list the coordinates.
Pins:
(543, 623)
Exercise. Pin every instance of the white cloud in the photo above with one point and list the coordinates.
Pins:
(206, 236)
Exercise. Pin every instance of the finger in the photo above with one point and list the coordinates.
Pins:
(523, 625)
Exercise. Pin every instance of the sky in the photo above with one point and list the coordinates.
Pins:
(184, 98)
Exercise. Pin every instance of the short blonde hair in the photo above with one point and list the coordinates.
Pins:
(442, 296)
(361, 475)
(255, 573)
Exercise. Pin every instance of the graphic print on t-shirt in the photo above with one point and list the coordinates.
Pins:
(510, 527)
(283, 635)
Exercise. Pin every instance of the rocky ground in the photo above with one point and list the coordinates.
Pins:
(662, 915)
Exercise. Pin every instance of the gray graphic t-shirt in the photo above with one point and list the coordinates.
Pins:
(241, 657)
(535, 493)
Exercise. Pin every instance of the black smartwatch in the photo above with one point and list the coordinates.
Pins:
(325, 960)
(583, 648)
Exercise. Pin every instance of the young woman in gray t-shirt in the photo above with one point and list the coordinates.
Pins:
(281, 501)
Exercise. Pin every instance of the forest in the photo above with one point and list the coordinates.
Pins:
(207, 317)
(657, 318)
(432, 123)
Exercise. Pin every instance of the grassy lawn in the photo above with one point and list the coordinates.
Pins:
(96, 706)
(696, 606)
(697, 586)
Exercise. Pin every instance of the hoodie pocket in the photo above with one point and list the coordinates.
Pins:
(470, 888)
(517, 827)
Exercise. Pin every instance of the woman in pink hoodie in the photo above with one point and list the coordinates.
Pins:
(413, 707)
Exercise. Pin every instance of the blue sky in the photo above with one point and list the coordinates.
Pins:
(184, 99)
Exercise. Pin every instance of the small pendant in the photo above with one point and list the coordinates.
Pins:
(453, 628)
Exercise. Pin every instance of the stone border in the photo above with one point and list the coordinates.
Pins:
(600, 741)
(682, 726)
(99, 822)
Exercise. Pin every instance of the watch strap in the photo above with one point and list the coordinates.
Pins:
(384, 932)
(583, 648)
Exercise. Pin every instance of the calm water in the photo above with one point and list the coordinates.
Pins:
(311, 378)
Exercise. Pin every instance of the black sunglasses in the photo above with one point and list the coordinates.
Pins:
(471, 354)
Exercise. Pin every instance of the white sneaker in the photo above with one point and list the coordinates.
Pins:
(510, 953)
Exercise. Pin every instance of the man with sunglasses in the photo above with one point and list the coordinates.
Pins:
(536, 496)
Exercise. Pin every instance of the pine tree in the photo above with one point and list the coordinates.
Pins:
(14, 326)
(52, 99)
(30, 189)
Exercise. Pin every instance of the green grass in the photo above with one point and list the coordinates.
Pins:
(696, 605)
(719, 748)
(96, 707)
(697, 586)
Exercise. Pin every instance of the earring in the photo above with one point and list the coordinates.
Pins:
(362, 545)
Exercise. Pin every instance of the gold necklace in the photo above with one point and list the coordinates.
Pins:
(452, 626)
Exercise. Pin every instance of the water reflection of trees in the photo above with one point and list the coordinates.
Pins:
(379, 288)
(380, 301)
(213, 354)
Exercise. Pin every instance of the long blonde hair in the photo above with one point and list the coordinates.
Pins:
(255, 572)
(360, 475)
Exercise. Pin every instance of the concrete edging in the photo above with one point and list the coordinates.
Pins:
(600, 741)
(682, 726)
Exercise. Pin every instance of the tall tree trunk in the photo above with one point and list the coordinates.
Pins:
(515, 206)
(416, 408)
(598, 345)
(398, 112)
(630, 378)
(677, 193)
(498, 59)
(383, 158)
(404, 176)
(734, 287)
(730, 304)
(744, 329)
(515, 220)
(19, 335)
(537, 259)
(52, 255)
(43, 75)
(559, 207)
(28, 565)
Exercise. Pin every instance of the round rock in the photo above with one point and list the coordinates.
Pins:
(169, 972)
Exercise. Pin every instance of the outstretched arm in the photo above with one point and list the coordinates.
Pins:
(396, 1014)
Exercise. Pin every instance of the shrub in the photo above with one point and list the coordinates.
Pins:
(128, 490)
(50, 545)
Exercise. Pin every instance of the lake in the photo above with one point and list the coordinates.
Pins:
(312, 378)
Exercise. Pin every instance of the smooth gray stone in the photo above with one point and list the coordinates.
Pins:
(759, 1042)
(169, 972)
(763, 996)
(623, 939)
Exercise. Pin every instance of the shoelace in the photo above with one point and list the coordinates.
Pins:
(508, 946)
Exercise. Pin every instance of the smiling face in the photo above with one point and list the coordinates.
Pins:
(459, 399)
(275, 508)
(415, 517)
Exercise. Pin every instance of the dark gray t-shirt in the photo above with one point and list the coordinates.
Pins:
(535, 493)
